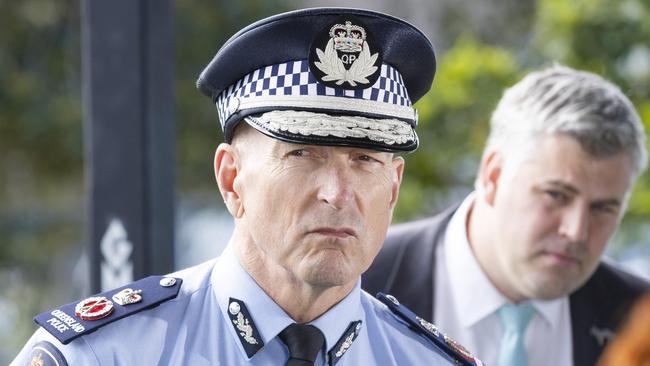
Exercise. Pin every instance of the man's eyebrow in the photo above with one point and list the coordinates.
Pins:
(564, 185)
(574, 190)
(609, 202)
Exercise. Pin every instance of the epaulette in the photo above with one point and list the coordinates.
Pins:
(453, 349)
(75, 319)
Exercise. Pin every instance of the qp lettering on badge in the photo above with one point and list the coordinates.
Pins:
(348, 59)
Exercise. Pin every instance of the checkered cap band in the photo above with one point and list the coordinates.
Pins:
(291, 85)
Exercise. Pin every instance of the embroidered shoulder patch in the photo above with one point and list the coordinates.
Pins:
(73, 320)
(45, 354)
(443, 342)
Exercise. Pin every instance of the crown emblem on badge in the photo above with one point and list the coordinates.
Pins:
(346, 58)
(347, 37)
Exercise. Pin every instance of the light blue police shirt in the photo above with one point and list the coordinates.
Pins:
(195, 328)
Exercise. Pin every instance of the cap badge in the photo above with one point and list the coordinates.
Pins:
(94, 308)
(341, 57)
(127, 296)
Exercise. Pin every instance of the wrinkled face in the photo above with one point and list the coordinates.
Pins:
(319, 212)
(554, 213)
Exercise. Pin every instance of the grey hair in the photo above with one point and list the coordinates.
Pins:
(561, 100)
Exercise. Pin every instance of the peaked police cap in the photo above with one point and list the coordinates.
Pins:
(326, 76)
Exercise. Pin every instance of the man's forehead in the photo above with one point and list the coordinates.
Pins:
(279, 145)
(555, 149)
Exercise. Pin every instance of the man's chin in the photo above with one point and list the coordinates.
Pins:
(329, 268)
(553, 287)
(325, 277)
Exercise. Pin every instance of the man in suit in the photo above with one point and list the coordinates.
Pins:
(515, 271)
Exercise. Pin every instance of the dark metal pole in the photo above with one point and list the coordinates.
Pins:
(128, 68)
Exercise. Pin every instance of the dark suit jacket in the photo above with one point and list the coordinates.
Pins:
(405, 269)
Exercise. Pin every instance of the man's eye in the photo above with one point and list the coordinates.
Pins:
(605, 208)
(368, 158)
(297, 152)
(557, 196)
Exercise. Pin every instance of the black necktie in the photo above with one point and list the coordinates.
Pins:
(304, 343)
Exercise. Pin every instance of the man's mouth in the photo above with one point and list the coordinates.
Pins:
(337, 232)
(561, 258)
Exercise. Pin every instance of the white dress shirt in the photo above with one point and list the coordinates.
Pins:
(466, 303)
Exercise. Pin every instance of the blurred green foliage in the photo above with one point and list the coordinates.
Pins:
(39, 63)
(40, 157)
(41, 145)
(201, 29)
(453, 124)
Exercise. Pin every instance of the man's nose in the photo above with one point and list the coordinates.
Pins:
(336, 185)
(575, 223)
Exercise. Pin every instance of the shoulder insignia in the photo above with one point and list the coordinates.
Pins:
(73, 320)
(45, 354)
(443, 342)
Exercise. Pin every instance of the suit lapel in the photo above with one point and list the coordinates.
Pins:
(597, 310)
(588, 336)
(413, 281)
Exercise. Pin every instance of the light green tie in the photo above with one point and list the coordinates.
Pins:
(514, 320)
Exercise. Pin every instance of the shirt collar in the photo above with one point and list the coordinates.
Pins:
(337, 319)
(468, 282)
(551, 311)
(269, 318)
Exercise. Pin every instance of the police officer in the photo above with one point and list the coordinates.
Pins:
(313, 105)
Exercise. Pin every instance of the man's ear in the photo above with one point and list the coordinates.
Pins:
(226, 171)
(489, 175)
(398, 165)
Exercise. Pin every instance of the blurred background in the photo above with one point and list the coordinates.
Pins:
(482, 47)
